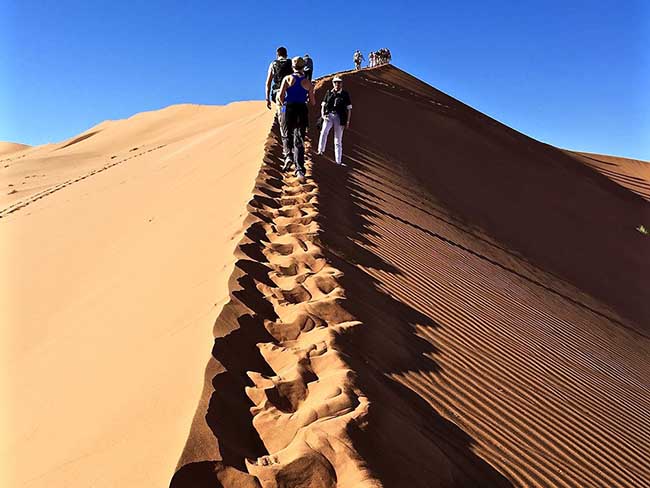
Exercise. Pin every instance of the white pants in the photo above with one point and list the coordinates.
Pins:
(332, 120)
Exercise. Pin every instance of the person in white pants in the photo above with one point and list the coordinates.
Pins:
(336, 111)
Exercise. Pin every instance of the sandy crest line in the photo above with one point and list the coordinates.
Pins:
(303, 412)
(276, 346)
(48, 191)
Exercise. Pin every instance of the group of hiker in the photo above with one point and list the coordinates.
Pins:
(289, 88)
(375, 58)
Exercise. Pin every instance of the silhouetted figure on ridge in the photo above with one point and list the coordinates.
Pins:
(377, 58)
(358, 59)
(309, 67)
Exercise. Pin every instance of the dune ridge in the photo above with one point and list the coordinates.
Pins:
(525, 365)
(497, 335)
(632, 174)
(11, 147)
(276, 342)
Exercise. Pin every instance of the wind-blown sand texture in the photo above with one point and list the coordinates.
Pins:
(480, 296)
(630, 173)
(461, 306)
(116, 254)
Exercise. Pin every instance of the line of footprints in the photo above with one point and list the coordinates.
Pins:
(303, 413)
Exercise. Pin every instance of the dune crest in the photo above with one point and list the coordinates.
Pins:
(453, 309)
(11, 147)
(276, 344)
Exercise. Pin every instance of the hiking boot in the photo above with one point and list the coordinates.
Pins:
(300, 175)
(288, 162)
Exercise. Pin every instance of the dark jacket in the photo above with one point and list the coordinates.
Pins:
(338, 103)
(309, 68)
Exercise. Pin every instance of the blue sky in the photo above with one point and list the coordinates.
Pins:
(575, 74)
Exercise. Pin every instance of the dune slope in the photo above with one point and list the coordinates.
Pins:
(7, 148)
(460, 306)
(115, 265)
(501, 287)
(629, 173)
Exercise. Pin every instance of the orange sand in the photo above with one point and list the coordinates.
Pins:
(460, 306)
(113, 278)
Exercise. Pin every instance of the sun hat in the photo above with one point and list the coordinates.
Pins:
(337, 78)
(298, 62)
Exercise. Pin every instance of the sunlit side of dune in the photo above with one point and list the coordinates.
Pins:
(115, 255)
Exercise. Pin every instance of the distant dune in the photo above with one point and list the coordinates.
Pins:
(629, 173)
(460, 306)
(11, 147)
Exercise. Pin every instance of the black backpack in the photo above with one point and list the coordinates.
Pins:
(281, 68)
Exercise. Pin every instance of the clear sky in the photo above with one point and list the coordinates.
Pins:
(575, 74)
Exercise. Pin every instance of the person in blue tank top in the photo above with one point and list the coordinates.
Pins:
(295, 91)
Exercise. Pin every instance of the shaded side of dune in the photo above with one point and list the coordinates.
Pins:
(632, 174)
(501, 283)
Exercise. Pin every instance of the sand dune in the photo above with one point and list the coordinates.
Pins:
(632, 174)
(481, 291)
(11, 147)
(461, 306)
(116, 263)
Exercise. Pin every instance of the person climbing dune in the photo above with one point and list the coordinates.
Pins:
(295, 91)
(278, 69)
(358, 59)
(336, 110)
(309, 67)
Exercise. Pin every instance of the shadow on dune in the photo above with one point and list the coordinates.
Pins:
(222, 435)
(406, 442)
(531, 198)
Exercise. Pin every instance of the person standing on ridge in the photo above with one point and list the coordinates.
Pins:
(278, 69)
(309, 67)
(371, 59)
(336, 110)
(294, 93)
(358, 59)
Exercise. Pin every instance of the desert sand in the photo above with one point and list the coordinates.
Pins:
(460, 306)
(116, 255)
(633, 174)
(7, 148)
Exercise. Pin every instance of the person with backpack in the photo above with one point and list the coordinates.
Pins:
(295, 91)
(358, 59)
(278, 69)
(309, 67)
(336, 111)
